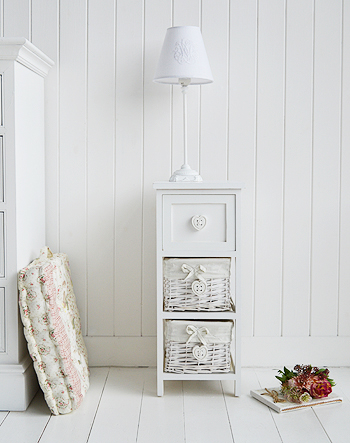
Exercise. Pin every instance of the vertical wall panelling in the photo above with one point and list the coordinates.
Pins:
(276, 118)
(269, 174)
(214, 102)
(17, 18)
(157, 153)
(73, 157)
(243, 32)
(344, 263)
(298, 158)
(129, 174)
(100, 166)
(45, 35)
(186, 14)
(326, 167)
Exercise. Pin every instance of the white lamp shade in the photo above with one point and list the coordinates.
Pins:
(183, 56)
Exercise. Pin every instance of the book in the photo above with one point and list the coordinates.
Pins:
(285, 406)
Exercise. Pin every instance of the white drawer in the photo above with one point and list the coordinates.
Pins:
(199, 222)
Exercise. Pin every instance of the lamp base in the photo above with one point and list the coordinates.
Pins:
(185, 174)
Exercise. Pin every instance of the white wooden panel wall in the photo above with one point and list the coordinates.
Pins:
(129, 167)
(344, 252)
(298, 111)
(276, 117)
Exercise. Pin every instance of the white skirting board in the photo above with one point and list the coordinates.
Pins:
(121, 351)
(256, 351)
(289, 351)
(18, 385)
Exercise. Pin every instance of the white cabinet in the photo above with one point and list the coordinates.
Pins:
(22, 204)
(198, 282)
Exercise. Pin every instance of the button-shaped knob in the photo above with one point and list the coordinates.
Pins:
(199, 287)
(199, 222)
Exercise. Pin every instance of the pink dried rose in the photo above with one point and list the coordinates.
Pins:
(320, 389)
(311, 380)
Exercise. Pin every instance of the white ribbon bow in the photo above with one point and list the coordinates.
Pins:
(200, 333)
(193, 271)
(197, 332)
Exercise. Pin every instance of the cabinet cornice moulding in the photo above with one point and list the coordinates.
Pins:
(204, 185)
(23, 51)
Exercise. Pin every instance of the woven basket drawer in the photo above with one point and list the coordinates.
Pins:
(197, 284)
(197, 346)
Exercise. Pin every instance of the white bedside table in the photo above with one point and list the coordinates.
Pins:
(198, 236)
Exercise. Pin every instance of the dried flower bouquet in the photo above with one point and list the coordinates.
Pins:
(304, 383)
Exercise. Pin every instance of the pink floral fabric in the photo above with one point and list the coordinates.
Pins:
(52, 329)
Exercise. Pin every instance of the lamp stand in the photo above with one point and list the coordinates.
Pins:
(185, 173)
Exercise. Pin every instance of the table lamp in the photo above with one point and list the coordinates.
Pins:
(183, 61)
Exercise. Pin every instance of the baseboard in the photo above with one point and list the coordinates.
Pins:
(280, 351)
(256, 351)
(121, 351)
(18, 385)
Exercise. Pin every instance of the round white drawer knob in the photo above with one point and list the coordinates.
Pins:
(199, 222)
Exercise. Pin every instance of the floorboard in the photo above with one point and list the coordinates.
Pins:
(27, 426)
(122, 406)
(161, 418)
(3, 415)
(301, 425)
(117, 418)
(76, 427)
(205, 412)
(341, 377)
(251, 421)
(335, 419)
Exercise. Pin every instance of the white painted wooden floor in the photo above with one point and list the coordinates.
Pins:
(121, 406)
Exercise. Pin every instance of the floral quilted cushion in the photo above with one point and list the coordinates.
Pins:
(52, 329)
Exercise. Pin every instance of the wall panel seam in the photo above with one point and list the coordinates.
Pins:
(172, 166)
(58, 194)
(312, 156)
(255, 161)
(340, 154)
(200, 100)
(228, 88)
(142, 272)
(283, 164)
(115, 30)
(86, 165)
(2, 18)
(30, 27)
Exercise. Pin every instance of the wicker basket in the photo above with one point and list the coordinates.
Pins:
(198, 347)
(197, 284)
